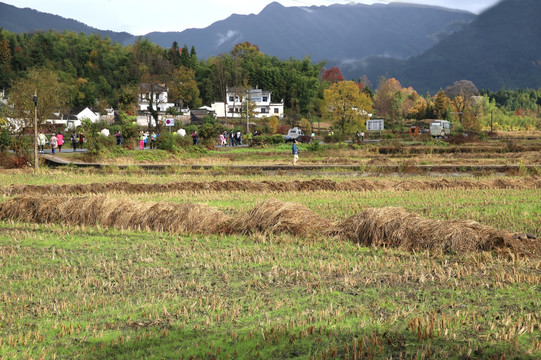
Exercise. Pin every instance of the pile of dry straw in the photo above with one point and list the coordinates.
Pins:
(393, 227)
(274, 216)
(531, 182)
(111, 212)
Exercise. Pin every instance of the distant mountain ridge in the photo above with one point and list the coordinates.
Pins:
(19, 20)
(343, 32)
(350, 31)
(501, 48)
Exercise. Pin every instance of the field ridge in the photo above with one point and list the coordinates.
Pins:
(530, 182)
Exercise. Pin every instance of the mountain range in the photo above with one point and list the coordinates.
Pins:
(501, 48)
(424, 47)
(343, 32)
(27, 20)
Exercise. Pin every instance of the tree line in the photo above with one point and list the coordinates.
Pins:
(89, 70)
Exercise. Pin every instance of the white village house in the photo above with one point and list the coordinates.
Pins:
(80, 113)
(77, 115)
(235, 101)
(160, 101)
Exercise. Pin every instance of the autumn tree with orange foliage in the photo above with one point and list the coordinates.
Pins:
(386, 97)
(395, 103)
(441, 104)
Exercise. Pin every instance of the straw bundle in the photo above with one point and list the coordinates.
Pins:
(118, 213)
(396, 227)
(274, 216)
(532, 182)
(393, 227)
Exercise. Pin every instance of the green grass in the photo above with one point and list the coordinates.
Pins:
(99, 293)
(71, 292)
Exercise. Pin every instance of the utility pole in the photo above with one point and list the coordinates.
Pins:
(247, 116)
(36, 160)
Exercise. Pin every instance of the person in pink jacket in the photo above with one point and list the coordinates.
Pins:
(222, 139)
(54, 143)
(60, 138)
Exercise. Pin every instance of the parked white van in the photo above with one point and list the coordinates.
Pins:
(294, 133)
(440, 128)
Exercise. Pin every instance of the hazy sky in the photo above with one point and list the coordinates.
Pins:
(140, 17)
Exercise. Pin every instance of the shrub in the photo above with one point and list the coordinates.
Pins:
(337, 137)
(314, 146)
(190, 129)
(277, 139)
(272, 125)
(5, 139)
(14, 161)
(170, 142)
(94, 141)
(388, 136)
(283, 129)
(210, 130)
(268, 140)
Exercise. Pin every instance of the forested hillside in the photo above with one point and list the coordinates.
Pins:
(500, 49)
(100, 72)
(27, 20)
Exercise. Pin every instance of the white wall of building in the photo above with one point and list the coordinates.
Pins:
(235, 103)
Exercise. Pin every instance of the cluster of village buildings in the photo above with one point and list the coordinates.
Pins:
(259, 99)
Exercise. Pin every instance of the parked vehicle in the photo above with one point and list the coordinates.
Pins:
(440, 128)
(294, 134)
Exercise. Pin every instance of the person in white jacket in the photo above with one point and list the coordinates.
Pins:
(42, 141)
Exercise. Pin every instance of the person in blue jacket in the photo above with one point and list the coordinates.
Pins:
(295, 151)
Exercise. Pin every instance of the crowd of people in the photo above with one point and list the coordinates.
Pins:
(56, 141)
(145, 139)
(233, 138)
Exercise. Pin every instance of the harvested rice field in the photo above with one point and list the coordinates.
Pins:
(208, 265)
(509, 151)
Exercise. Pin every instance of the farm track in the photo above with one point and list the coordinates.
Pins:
(525, 183)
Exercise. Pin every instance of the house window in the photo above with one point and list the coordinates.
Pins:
(276, 110)
(265, 99)
(231, 99)
(263, 110)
